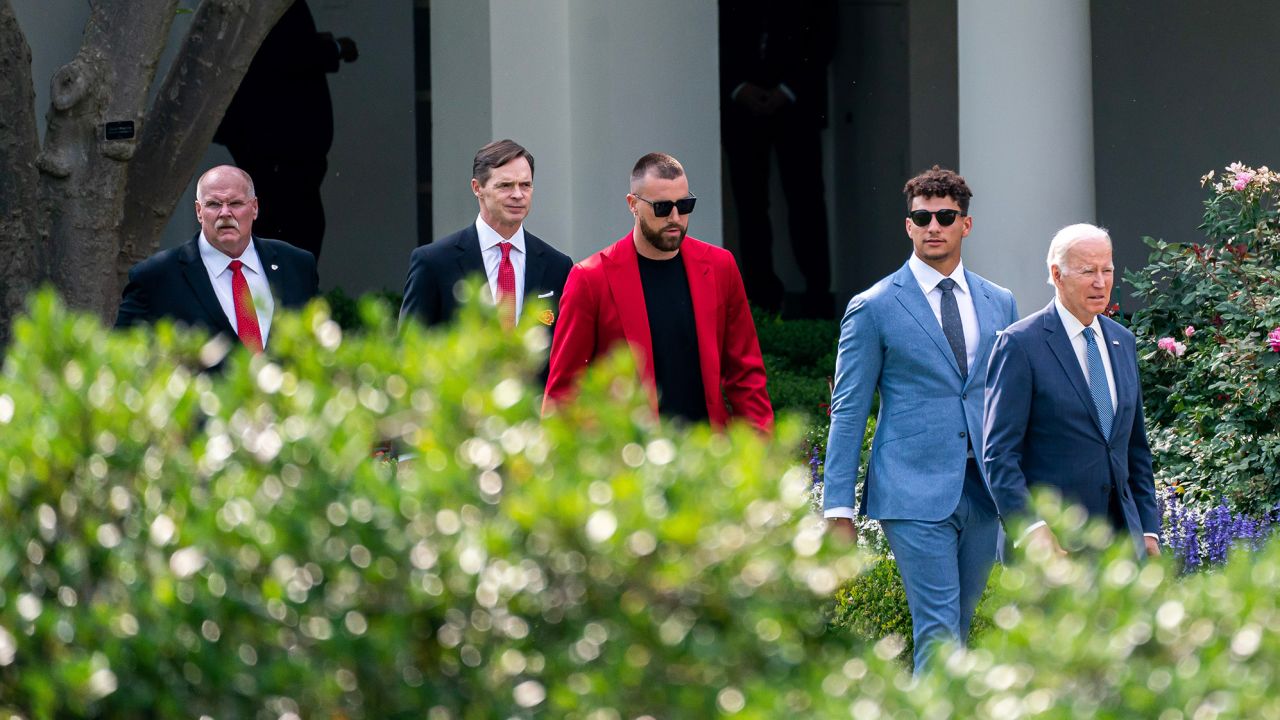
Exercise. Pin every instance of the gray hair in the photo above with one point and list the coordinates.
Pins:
(1067, 238)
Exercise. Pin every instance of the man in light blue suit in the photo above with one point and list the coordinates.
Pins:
(922, 336)
(1064, 404)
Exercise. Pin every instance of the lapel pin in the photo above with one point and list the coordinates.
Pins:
(275, 267)
(1115, 342)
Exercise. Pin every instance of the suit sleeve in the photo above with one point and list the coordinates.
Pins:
(859, 361)
(135, 303)
(742, 373)
(1007, 409)
(421, 296)
(573, 343)
(1141, 476)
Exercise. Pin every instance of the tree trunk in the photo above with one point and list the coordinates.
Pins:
(83, 209)
(21, 228)
(224, 37)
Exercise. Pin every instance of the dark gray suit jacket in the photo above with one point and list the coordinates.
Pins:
(434, 270)
(174, 284)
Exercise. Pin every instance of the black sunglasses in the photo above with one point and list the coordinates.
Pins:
(945, 217)
(662, 208)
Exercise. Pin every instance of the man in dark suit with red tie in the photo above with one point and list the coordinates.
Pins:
(676, 301)
(225, 280)
(496, 246)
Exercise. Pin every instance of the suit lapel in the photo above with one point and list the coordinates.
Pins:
(197, 277)
(703, 294)
(988, 321)
(270, 268)
(914, 302)
(623, 271)
(535, 264)
(468, 253)
(1060, 344)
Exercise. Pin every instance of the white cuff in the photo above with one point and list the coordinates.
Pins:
(839, 512)
(1034, 526)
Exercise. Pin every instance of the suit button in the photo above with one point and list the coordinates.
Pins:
(962, 434)
(965, 396)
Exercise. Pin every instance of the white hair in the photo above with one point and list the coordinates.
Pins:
(1067, 238)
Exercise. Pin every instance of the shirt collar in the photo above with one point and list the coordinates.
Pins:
(217, 261)
(928, 278)
(490, 237)
(1072, 324)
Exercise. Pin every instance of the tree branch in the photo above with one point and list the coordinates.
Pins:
(83, 172)
(224, 37)
(20, 225)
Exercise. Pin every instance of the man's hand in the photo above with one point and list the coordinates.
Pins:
(759, 101)
(844, 529)
(1044, 537)
(1153, 546)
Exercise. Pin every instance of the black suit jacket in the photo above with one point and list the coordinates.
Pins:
(434, 270)
(174, 284)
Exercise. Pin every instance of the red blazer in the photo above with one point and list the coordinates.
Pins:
(603, 304)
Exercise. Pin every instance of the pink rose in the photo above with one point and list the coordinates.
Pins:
(1273, 339)
(1242, 179)
(1171, 346)
(1191, 330)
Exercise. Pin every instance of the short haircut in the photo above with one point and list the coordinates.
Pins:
(937, 182)
(495, 155)
(220, 169)
(1067, 238)
(660, 164)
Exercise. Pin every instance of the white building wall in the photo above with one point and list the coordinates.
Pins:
(1026, 134)
(588, 86)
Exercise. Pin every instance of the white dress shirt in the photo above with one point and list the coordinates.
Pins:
(928, 278)
(492, 255)
(215, 263)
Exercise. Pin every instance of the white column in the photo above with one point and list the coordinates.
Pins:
(1026, 134)
(588, 86)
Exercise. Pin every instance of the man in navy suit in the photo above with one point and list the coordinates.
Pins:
(1064, 404)
(921, 337)
(502, 181)
(196, 284)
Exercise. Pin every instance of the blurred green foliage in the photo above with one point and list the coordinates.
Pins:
(183, 543)
(180, 543)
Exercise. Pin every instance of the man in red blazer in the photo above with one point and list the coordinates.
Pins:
(676, 301)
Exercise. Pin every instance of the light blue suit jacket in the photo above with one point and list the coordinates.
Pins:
(890, 340)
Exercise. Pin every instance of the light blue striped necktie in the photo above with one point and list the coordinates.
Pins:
(1098, 386)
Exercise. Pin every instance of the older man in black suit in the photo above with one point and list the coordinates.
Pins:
(225, 279)
(496, 246)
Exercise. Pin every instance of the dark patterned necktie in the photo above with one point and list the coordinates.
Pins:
(1098, 386)
(951, 325)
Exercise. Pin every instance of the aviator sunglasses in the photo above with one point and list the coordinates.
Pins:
(945, 217)
(662, 208)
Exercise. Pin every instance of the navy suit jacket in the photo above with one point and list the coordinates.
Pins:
(175, 284)
(436, 268)
(930, 414)
(1041, 427)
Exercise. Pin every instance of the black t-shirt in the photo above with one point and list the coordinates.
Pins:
(676, 367)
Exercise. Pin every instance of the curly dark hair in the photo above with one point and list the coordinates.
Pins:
(937, 182)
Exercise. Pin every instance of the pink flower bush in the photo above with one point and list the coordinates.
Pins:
(1191, 330)
(1171, 346)
(1242, 180)
(1273, 339)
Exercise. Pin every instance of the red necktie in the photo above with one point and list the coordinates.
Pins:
(506, 287)
(246, 314)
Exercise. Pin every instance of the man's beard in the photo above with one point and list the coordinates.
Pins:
(662, 242)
